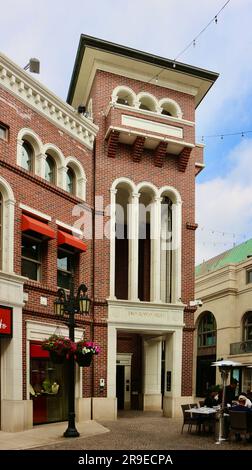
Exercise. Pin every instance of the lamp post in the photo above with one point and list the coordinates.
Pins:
(69, 306)
(224, 367)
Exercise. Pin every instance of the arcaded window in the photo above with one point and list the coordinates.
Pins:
(27, 156)
(247, 327)
(207, 330)
(166, 251)
(70, 181)
(50, 172)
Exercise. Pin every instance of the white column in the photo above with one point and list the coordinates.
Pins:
(8, 236)
(173, 364)
(61, 177)
(133, 226)
(112, 242)
(152, 375)
(155, 249)
(176, 247)
(40, 165)
(16, 413)
(19, 151)
(111, 373)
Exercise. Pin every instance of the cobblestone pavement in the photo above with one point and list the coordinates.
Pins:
(135, 430)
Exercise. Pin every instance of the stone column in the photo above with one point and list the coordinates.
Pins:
(173, 364)
(133, 225)
(152, 375)
(155, 249)
(112, 242)
(16, 413)
(40, 165)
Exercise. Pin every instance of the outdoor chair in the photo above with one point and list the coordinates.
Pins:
(188, 419)
(238, 423)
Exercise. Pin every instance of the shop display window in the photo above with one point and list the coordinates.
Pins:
(48, 387)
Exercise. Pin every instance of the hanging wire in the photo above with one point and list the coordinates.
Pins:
(193, 42)
(228, 134)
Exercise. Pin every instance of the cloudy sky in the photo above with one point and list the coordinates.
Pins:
(50, 31)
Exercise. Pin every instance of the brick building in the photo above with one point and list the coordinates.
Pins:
(122, 176)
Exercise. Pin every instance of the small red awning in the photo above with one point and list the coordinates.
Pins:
(65, 238)
(34, 225)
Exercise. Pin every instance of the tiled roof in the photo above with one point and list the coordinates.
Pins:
(234, 255)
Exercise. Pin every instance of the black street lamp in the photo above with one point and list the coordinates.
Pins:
(69, 306)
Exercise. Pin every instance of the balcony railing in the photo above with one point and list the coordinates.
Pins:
(243, 347)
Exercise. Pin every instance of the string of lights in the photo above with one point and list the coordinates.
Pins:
(193, 42)
(228, 134)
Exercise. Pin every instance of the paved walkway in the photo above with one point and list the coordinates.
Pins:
(133, 430)
(47, 435)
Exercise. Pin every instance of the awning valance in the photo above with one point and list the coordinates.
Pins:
(69, 240)
(29, 224)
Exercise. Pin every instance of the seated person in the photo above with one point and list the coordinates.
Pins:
(231, 392)
(210, 399)
(242, 407)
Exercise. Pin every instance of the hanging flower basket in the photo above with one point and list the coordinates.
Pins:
(85, 350)
(84, 360)
(59, 348)
(57, 358)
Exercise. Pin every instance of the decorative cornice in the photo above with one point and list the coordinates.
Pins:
(31, 92)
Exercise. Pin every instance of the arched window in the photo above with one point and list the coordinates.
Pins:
(207, 330)
(147, 102)
(49, 169)
(27, 156)
(247, 327)
(166, 252)
(70, 181)
(1, 221)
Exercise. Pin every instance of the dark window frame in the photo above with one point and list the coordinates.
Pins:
(30, 152)
(207, 331)
(50, 161)
(67, 272)
(249, 276)
(37, 262)
(6, 129)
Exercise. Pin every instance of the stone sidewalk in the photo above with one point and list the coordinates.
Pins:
(47, 435)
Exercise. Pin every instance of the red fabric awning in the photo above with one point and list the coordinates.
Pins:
(37, 351)
(65, 238)
(34, 225)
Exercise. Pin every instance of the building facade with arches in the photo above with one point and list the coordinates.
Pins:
(223, 325)
(146, 160)
(45, 153)
(116, 183)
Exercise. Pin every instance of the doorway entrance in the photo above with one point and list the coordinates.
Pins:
(123, 381)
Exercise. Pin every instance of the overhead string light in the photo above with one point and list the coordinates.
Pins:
(193, 42)
(228, 134)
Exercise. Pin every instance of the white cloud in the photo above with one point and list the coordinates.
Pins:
(224, 206)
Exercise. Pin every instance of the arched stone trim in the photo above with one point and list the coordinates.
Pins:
(127, 181)
(59, 161)
(171, 192)
(171, 106)
(7, 226)
(132, 242)
(149, 99)
(124, 92)
(80, 175)
(148, 186)
(30, 136)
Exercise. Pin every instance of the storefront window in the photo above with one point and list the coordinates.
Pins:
(48, 387)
